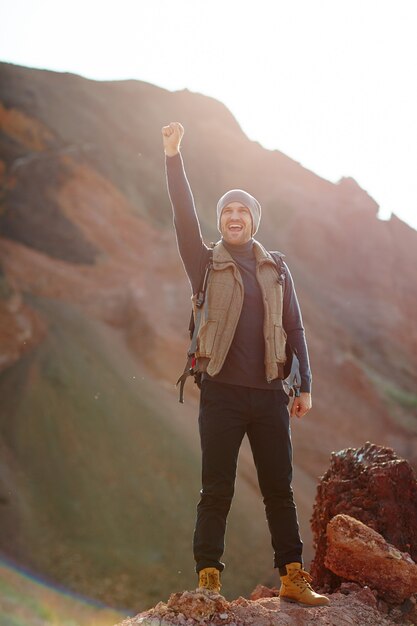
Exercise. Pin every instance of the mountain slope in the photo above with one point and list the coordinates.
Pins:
(99, 477)
(100, 470)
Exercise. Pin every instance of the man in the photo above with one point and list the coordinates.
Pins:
(250, 313)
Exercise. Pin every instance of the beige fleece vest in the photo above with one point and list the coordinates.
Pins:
(224, 301)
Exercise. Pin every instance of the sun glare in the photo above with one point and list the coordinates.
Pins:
(328, 83)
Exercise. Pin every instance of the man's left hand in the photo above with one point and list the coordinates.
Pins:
(301, 404)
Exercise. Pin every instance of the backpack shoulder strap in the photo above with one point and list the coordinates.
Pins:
(194, 326)
(292, 378)
(279, 261)
(201, 291)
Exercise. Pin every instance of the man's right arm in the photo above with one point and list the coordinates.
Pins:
(193, 251)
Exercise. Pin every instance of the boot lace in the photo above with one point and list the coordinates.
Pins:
(301, 578)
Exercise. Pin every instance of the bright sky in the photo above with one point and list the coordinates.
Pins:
(331, 83)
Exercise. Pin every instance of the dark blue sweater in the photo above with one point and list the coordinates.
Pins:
(244, 364)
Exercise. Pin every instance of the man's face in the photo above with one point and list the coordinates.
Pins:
(236, 223)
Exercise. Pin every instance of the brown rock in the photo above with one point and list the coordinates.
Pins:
(261, 591)
(373, 485)
(188, 608)
(196, 608)
(358, 553)
(198, 604)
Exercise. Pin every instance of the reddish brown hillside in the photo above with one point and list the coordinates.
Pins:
(85, 219)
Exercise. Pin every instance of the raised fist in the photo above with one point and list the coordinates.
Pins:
(172, 135)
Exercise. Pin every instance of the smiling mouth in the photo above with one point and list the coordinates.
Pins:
(235, 227)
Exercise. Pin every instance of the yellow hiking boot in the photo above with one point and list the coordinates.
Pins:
(209, 578)
(295, 587)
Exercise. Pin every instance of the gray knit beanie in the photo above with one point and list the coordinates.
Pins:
(238, 195)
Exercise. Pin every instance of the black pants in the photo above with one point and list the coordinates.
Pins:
(227, 412)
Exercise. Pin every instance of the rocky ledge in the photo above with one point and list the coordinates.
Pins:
(351, 606)
(370, 484)
(365, 527)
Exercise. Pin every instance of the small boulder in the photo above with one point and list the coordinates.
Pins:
(199, 604)
(261, 591)
(358, 553)
(373, 485)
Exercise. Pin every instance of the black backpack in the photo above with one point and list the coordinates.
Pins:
(291, 369)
